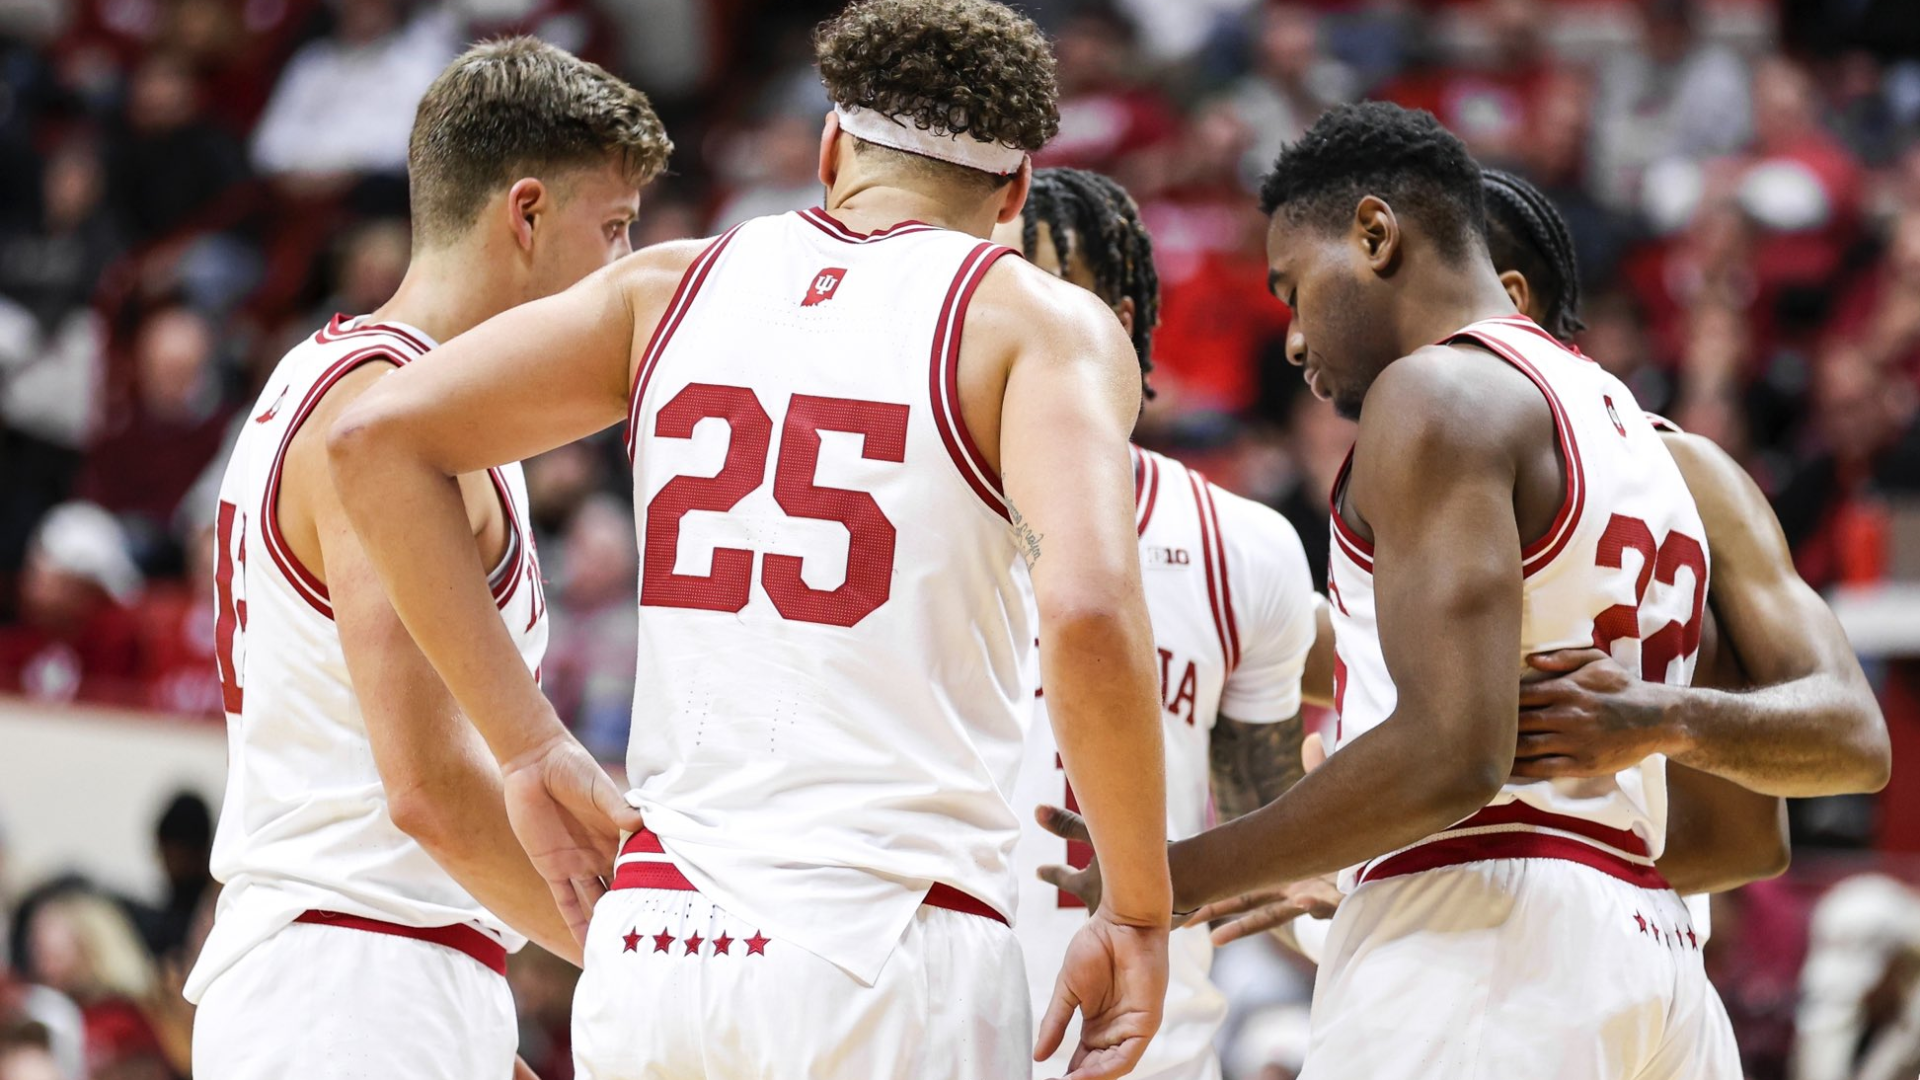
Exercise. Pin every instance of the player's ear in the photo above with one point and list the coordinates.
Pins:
(1013, 197)
(1125, 310)
(829, 140)
(1377, 231)
(526, 200)
(1516, 285)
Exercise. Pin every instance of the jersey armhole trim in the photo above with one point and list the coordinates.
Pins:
(1354, 546)
(1146, 489)
(1538, 554)
(944, 378)
(307, 585)
(676, 312)
(1213, 553)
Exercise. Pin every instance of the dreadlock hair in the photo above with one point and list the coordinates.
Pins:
(1401, 155)
(1090, 213)
(1526, 233)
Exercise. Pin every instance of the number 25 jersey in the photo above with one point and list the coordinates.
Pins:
(836, 662)
(1623, 568)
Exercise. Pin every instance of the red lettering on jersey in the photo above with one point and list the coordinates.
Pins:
(824, 283)
(230, 614)
(1166, 657)
(1188, 684)
(272, 410)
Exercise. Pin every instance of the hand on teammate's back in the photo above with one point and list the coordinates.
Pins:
(1116, 976)
(568, 813)
(1591, 718)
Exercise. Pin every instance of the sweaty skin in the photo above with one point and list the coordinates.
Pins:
(1049, 387)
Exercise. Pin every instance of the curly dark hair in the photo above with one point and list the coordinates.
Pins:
(1404, 156)
(516, 107)
(1526, 233)
(963, 66)
(1090, 213)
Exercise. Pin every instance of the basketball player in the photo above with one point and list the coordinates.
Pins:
(1505, 498)
(373, 888)
(835, 667)
(1232, 605)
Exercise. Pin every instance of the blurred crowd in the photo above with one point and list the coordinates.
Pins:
(188, 187)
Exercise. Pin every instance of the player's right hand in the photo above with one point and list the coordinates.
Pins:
(1115, 974)
(569, 815)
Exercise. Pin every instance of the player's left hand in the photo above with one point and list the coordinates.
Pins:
(568, 814)
(1591, 718)
(1115, 975)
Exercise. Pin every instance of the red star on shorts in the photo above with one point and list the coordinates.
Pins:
(661, 940)
(757, 945)
(1691, 940)
(632, 938)
(693, 944)
(721, 944)
(1641, 919)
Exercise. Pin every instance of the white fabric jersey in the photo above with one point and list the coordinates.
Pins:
(304, 823)
(1232, 606)
(1623, 567)
(836, 649)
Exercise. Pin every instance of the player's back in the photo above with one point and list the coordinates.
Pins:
(304, 824)
(836, 646)
(1623, 567)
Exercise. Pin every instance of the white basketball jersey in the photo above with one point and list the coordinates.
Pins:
(836, 645)
(1231, 601)
(304, 822)
(1623, 568)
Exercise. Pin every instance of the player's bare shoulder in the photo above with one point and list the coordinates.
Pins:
(1023, 312)
(1452, 398)
(1740, 523)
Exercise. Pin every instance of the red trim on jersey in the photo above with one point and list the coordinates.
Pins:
(461, 938)
(654, 874)
(1661, 423)
(1146, 475)
(1541, 552)
(1455, 851)
(1521, 322)
(944, 377)
(1519, 813)
(1355, 546)
(1196, 481)
(1226, 577)
(670, 320)
(309, 587)
(337, 329)
(506, 577)
(819, 218)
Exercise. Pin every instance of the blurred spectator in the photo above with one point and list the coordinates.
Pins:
(81, 944)
(1291, 84)
(172, 161)
(773, 167)
(1883, 311)
(176, 624)
(51, 270)
(1800, 184)
(76, 639)
(25, 1055)
(372, 259)
(183, 840)
(1860, 926)
(589, 668)
(1674, 96)
(1489, 103)
(344, 104)
(148, 457)
(1110, 119)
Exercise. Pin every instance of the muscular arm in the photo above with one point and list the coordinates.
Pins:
(1720, 836)
(1253, 764)
(533, 378)
(442, 788)
(1071, 396)
(1435, 479)
(1810, 726)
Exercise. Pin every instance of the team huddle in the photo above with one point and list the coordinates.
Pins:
(964, 729)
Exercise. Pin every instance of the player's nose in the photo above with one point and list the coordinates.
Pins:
(1296, 345)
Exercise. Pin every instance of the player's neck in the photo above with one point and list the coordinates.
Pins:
(868, 207)
(443, 296)
(1455, 299)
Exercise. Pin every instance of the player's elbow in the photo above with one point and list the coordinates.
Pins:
(1461, 792)
(1873, 752)
(418, 811)
(366, 432)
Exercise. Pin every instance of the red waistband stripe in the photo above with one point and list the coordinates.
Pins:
(460, 938)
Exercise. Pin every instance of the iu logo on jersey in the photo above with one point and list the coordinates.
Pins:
(272, 410)
(824, 284)
(1614, 415)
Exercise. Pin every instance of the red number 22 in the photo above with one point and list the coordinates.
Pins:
(1663, 562)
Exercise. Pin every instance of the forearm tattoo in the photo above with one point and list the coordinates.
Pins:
(1253, 764)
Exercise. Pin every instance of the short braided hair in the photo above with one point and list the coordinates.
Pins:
(1090, 213)
(1401, 155)
(1526, 233)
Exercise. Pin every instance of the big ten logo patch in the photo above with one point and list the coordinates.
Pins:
(1168, 556)
(825, 284)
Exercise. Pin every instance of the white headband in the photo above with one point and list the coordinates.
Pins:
(883, 130)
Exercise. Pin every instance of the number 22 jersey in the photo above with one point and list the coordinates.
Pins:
(1623, 568)
(836, 662)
